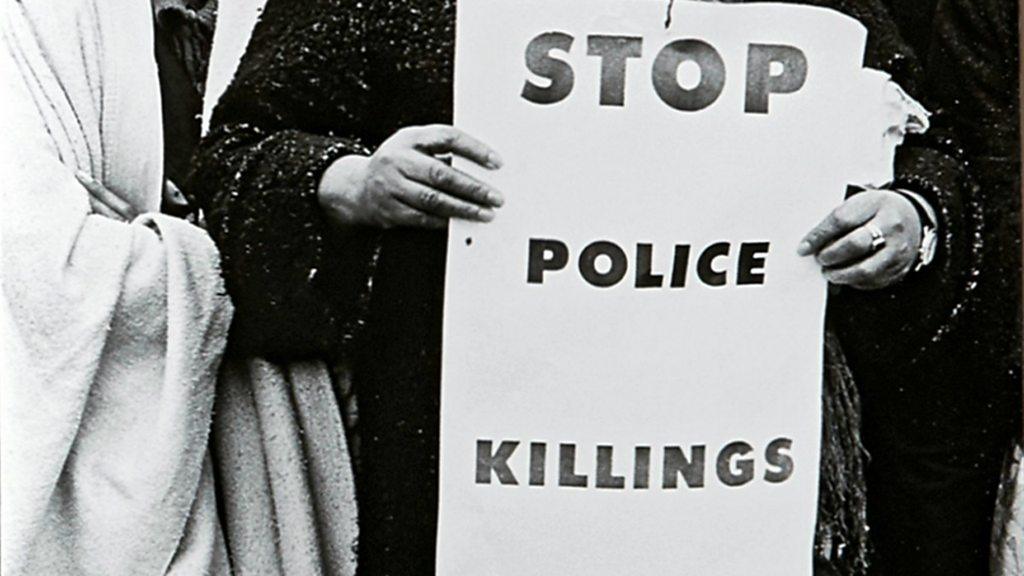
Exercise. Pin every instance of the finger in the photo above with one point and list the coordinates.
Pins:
(104, 210)
(441, 139)
(853, 247)
(871, 273)
(436, 202)
(437, 174)
(106, 197)
(408, 216)
(847, 216)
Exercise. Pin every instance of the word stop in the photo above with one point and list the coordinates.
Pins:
(771, 69)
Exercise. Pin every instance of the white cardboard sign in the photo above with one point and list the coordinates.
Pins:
(633, 349)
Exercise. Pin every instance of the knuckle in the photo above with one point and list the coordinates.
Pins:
(842, 218)
(438, 174)
(846, 248)
(430, 199)
(386, 158)
(446, 135)
(871, 198)
(475, 190)
(374, 184)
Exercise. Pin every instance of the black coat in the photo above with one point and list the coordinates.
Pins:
(324, 78)
(937, 422)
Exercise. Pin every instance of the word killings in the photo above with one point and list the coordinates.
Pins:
(546, 255)
(734, 465)
(771, 69)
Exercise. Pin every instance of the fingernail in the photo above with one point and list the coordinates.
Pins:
(485, 215)
(804, 248)
(82, 175)
(495, 198)
(494, 161)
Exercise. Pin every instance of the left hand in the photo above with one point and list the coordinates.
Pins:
(842, 242)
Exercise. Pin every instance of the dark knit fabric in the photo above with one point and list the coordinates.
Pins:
(938, 421)
(322, 78)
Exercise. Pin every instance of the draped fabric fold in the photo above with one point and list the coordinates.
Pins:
(284, 473)
(112, 332)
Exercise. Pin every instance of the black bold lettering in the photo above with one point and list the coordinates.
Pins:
(780, 463)
(744, 467)
(567, 475)
(614, 50)
(540, 62)
(675, 463)
(545, 255)
(642, 467)
(750, 268)
(666, 67)
(760, 80)
(645, 278)
(615, 273)
(538, 456)
(486, 462)
(680, 263)
(705, 271)
(604, 477)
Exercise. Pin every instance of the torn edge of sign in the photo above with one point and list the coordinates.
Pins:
(877, 114)
(883, 114)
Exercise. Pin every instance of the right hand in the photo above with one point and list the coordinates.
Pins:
(404, 183)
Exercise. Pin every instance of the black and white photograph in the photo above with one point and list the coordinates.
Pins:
(511, 288)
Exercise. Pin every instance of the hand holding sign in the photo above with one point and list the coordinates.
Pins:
(404, 183)
(844, 243)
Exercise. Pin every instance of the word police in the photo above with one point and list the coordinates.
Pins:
(734, 465)
(771, 69)
(549, 255)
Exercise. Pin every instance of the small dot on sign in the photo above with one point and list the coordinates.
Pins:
(469, 241)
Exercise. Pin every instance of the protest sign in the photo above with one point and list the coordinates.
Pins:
(633, 349)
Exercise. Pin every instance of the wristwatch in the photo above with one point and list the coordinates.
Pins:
(929, 228)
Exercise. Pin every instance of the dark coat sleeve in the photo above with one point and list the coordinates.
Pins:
(973, 70)
(895, 325)
(298, 284)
